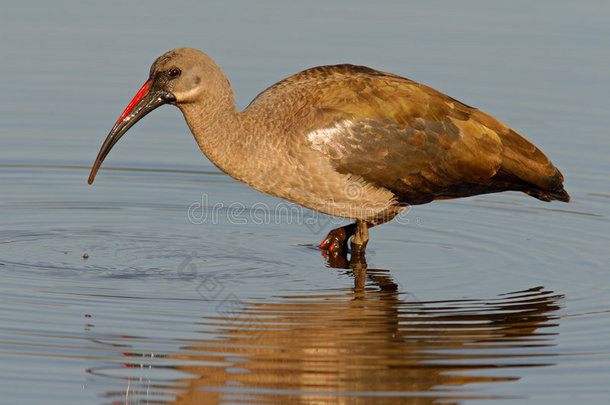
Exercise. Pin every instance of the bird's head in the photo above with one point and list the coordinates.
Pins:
(180, 76)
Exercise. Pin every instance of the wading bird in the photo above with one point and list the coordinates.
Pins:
(344, 140)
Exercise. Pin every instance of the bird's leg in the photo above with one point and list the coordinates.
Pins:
(337, 238)
(360, 238)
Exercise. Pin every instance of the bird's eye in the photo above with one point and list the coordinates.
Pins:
(174, 72)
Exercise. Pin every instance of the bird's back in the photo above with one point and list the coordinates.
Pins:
(407, 137)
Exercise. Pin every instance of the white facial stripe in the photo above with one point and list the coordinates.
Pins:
(186, 95)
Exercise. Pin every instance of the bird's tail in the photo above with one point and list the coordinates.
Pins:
(522, 159)
(560, 194)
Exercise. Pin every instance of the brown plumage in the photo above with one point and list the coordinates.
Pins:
(344, 140)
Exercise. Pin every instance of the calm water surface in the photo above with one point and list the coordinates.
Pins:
(169, 282)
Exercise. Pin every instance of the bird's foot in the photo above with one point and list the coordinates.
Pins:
(335, 241)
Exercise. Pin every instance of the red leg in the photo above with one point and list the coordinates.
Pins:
(337, 238)
(358, 231)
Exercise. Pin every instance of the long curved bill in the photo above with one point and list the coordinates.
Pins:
(145, 101)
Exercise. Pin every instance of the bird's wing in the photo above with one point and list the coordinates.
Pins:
(418, 142)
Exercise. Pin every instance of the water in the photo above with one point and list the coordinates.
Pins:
(168, 282)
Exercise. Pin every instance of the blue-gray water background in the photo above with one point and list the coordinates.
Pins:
(113, 293)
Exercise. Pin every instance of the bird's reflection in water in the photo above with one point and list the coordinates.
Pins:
(370, 342)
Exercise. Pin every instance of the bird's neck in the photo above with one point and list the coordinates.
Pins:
(218, 129)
